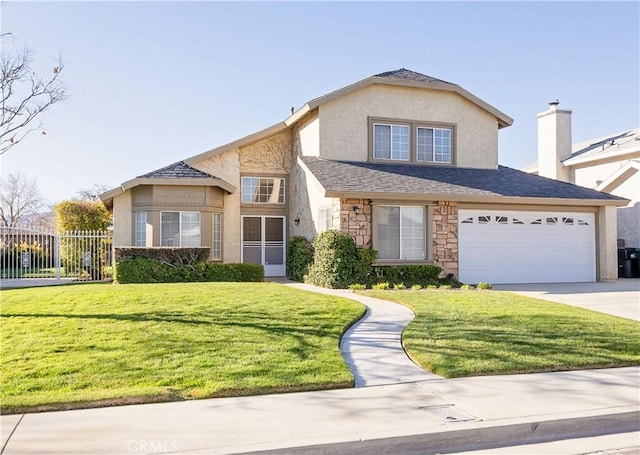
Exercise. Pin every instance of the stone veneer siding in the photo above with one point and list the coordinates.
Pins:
(445, 236)
(356, 225)
(444, 229)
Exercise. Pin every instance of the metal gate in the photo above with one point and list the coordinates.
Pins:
(29, 254)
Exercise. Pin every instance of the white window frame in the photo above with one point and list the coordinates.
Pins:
(245, 187)
(216, 232)
(391, 148)
(425, 214)
(180, 227)
(434, 138)
(325, 219)
(140, 229)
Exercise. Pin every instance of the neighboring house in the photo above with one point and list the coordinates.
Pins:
(608, 164)
(405, 163)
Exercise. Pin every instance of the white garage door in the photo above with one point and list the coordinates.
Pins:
(526, 247)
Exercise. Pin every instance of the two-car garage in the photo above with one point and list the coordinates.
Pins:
(504, 246)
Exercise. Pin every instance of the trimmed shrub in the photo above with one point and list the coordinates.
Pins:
(399, 287)
(416, 287)
(150, 270)
(407, 274)
(337, 262)
(357, 287)
(485, 286)
(299, 258)
(169, 255)
(380, 286)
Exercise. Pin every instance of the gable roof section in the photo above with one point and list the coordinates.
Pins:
(179, 173)
(593, 150)
(406, 78)
(609, 146)
(412, 182)
(620, 176)
(400, 77)
(404, 73)
(176, 170)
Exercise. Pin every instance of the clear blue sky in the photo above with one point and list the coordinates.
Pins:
(152, 83)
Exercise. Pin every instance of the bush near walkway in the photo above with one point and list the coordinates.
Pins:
(103, 344)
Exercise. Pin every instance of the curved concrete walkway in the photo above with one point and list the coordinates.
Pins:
(372, 347)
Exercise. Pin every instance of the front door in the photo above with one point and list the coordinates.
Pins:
(263, 243)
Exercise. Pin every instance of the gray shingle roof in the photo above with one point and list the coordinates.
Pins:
(344, 177)
(627, 140)
(404, 73)
(179, 170)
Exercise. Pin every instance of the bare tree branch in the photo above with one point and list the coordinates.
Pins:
(93, 193)
(19, 200)
(24, 95)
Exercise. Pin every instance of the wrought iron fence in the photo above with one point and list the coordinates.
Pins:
(42, 254)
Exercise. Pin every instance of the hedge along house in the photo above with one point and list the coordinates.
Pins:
(405, 163)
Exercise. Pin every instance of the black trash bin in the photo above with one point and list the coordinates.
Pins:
(628, 263)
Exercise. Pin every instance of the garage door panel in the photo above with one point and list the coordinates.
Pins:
(526, 247)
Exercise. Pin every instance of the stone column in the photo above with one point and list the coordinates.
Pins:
(357, 225)
(445, 236)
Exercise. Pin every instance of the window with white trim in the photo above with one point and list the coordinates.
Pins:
(180, 229)
(390, 142)
(325, 219)
(216, 245)
(141, 229)
(434, 145)
(401, 232)
(261, 190)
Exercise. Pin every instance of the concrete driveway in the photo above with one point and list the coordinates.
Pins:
(618, 298)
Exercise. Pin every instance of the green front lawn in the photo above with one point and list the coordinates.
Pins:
(471, 333)
(101, 344)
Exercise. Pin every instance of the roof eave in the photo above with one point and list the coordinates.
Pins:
(601, 156)
(503, 119)
(496, 199)
(107, 197)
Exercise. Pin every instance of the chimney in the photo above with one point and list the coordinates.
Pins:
(554, 142)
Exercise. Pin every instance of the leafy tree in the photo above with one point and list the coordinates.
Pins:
(24, 95)
(85, 253)
(81, 215)
(20, 200)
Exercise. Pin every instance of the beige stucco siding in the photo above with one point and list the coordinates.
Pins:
(344, 131)
(606, 244)
(269, 157)
(308, 136)
(226, 166)
(629, 216)
(591, 175)
(122, 220)
(306, 202)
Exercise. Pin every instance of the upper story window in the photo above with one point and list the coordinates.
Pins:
(411, 141)
(263, 190)
(434, 145)
(391, 142)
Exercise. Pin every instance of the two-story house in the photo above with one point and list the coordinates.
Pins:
(405, 163)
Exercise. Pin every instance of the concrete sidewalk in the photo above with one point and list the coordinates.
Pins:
(422, 417)
(372, 347)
